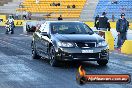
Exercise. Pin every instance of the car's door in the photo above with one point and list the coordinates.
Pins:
(45, 39)
(37, 39)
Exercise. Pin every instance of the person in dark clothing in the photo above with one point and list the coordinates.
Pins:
(60, 18)
(121, 28)
(73, 6)
(10, 25)
(68, 6)
(59, 4)
(53, 4)
(104, 23)
(96, 23)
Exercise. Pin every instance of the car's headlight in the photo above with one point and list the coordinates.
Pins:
(103, 43)
(66, 44)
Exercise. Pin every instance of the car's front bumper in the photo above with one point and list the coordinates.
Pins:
(70, 54)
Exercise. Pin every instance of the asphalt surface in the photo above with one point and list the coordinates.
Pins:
(19, 70)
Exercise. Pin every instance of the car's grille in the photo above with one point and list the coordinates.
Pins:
(88, 55)
(86, 44)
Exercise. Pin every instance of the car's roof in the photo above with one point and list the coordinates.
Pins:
(62, 21)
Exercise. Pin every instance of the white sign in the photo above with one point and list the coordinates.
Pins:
(87, 51)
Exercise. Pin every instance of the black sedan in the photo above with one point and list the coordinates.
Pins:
(68, 41)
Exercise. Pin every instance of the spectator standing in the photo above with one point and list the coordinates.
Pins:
(24, 15)
(10, 21)
(73, 6)
(29, 15)
(17, 15)
(60, 18)
(58, 4)
(53, 4)
(104, 22)
(121, 28)
(96, 23)
(68, 6)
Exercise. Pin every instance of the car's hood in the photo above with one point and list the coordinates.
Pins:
(78, 37)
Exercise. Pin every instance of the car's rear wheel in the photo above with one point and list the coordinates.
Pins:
(34, 53)
(102, 62)
(53, 61)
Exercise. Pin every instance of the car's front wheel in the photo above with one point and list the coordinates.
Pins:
(34, 53)
(53, 61)
(102, 62)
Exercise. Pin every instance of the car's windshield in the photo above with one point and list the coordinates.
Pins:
(70, 28)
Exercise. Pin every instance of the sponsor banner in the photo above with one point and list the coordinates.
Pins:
(83, 78)
(19, 22)
(2, 20)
